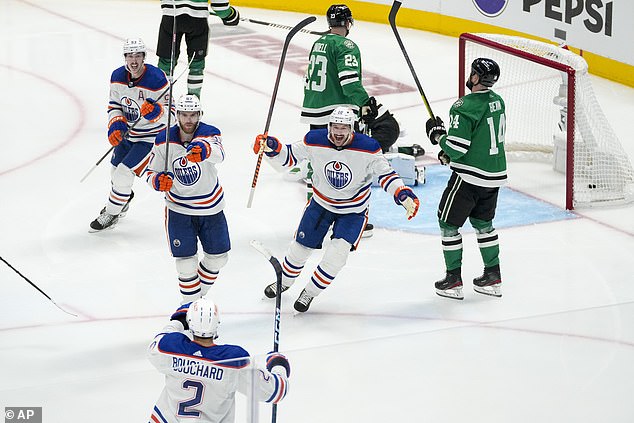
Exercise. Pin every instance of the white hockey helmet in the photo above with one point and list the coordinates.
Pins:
(133, 45)
(188, 103)
(343, 115)
(203, 319)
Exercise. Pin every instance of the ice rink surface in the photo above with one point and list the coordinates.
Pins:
(379, 345)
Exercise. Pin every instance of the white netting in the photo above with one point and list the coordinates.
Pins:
(536, 102)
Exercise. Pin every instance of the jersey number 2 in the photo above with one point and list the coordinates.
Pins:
(186, 408)
(499, 137)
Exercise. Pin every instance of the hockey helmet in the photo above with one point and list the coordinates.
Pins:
(188, 103)
(133, 45)
(203, 319)
(487, 70)
(339, 15)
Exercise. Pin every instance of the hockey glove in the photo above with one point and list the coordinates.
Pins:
(369, 111)
(444, 158)
(272, 146)
(233, 18)
(406, 198)
(116, 128)
(198, 150)
(435, 129)
(385, 130)
(276, 362)
(181, 315)
(163, 181)
(151, 110)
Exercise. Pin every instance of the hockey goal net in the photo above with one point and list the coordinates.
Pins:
(552, 111)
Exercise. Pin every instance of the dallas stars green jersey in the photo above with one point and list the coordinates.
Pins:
(196, 8)
(475, 139)
(333, 79)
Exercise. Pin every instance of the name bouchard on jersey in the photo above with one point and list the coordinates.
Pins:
(195, 368)
(338, 174)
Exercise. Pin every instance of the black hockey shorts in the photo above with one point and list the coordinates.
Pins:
(196, 33)
(462, 200)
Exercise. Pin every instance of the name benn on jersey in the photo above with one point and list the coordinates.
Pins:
(338, 174)
(195, 368)
(131, 109)
(186, 172)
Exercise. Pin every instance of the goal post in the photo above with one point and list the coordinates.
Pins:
(552, 112)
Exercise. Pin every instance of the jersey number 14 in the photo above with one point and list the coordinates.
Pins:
(495, 138)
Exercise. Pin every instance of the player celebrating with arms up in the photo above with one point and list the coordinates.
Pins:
(132, 90)
(202, 377)
(193, 196)
(345, 163)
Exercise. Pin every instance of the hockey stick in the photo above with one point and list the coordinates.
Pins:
(275, 25)
(278, 302)
(137, 122)
(171, 77)
(35, 286)
(392, 19)
(287, 41)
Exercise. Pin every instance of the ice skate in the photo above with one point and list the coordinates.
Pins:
(303, 301)
(368, 231)
(271, 290)
(490, 283)
(104, 221)
(450, 287)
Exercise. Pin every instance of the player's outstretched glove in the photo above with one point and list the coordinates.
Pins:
(276, 362)
(163, 181)
(369, 111)
(151, 110)
(181, 315)
(198, 150)
(435, 129)
(444, 158)
(272, 146)
(116, 128)
(406, 198)
(233, 18)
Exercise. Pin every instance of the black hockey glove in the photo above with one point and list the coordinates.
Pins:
(385, 130)
(233, 18)
(443, 158)
(369, 111)
(435, 129)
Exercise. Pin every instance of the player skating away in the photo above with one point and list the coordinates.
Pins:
(202, 377)
(345, 163)
(133, 88)
(194, 197)
(191, 21)
(474, 150)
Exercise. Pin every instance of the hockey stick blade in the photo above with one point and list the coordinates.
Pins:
(287, 41)
(392, 20)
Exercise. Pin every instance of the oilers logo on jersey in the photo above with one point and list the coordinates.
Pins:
(338, 174)
(131, 109)
(186, 172)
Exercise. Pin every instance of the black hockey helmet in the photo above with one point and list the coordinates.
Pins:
(339, 15)
(487, 70)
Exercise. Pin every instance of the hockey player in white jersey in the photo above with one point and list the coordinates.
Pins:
(344, 165)
(193, 196)
(202, 377)
(134, 120)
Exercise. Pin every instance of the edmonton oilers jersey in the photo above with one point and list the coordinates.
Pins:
(196, 189)
(342, 178)
(127, 96)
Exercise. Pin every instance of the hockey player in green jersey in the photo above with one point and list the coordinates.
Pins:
(474, 150)
(191, 21)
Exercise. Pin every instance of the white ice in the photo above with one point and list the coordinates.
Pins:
(379, 345)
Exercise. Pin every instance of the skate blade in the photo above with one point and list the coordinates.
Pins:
(367, 234)
(491, 290)
(92, 231)
(455, 293)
